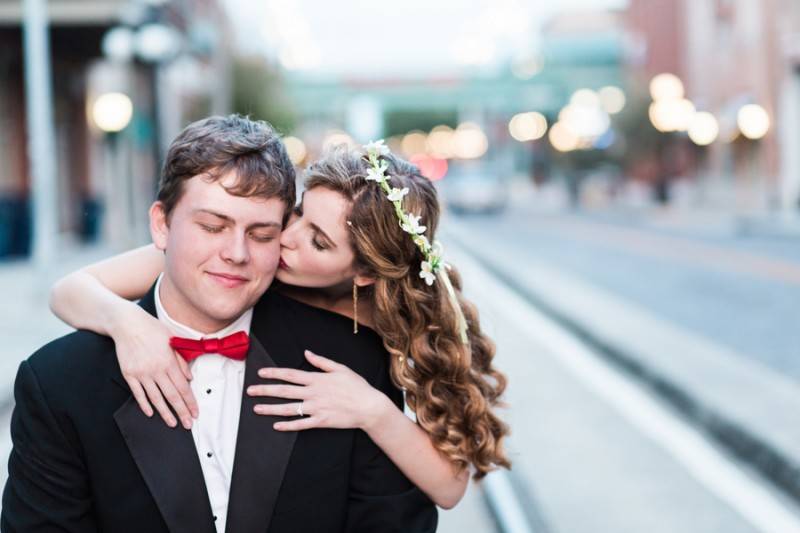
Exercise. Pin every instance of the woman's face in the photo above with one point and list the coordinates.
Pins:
(315, 246)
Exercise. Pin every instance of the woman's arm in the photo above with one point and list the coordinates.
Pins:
(340, 398)
(97, 298)
(94, 297)
(410, 448)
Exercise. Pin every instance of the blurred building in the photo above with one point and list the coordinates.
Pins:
(731, 54)
(176, 72)
(419, 114)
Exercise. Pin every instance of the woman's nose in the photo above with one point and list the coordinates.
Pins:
(288, 239)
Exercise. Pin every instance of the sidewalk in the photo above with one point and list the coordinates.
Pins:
(26, 322)
(751, 410)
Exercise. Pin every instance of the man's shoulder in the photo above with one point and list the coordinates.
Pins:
(74, 359)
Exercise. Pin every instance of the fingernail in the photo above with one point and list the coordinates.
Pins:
(264, 373)
(187, 424)
(250, 390)
(278, 426)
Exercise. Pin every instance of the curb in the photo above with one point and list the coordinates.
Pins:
(510, 504)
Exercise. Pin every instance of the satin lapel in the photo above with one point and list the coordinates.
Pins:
(262, 454)
(168, 462)
(167, 459)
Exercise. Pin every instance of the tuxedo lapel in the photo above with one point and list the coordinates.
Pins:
(168, 462)
(262, 454)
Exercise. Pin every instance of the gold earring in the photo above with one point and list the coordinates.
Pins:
(355, 308)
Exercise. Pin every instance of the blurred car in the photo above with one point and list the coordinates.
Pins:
(475, 191)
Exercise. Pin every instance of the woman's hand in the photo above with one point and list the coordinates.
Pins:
(336, 398)
(152, 369)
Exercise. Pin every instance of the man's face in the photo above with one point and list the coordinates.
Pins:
(221, 252)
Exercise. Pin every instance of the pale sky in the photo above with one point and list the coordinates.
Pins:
(394, 38)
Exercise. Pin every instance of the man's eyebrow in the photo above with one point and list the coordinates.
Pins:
(229, 220)
(318, 229)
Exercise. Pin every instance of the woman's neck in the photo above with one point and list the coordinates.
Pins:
(332, 299)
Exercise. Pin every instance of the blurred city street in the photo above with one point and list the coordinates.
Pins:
(620, 188)
(687, 314)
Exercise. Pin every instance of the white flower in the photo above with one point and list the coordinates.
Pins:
(378, 173)
(377, 147)
(422, 242)
(427, 273)
(412, 226)
(397, 194)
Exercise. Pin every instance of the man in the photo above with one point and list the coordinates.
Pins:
(87, 459)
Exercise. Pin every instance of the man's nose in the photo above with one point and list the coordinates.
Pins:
(236, 249)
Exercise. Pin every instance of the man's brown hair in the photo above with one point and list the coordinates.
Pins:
(214, 146)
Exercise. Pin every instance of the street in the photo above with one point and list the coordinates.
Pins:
(595, 450)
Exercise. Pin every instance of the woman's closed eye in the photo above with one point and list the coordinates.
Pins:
(316, 244)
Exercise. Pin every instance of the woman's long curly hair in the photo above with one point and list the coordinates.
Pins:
(452, 387)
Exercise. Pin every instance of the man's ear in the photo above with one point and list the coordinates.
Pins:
(159, 227)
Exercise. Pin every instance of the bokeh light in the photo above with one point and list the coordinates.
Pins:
(704, 128)
(666, 86)
(753, 121)
(414, 142)
(612, 99)
(112, 112)
(433, 168)
(469, 141)
(440, 142)
(527, 126)
(671, 114)
(562, 138)
(335, 138)
(296, 149)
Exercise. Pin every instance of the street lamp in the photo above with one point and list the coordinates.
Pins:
(149, 42)
(111, 113)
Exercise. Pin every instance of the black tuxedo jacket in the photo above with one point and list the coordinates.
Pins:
(87, 459)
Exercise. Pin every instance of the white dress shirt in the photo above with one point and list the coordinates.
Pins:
(217, 383)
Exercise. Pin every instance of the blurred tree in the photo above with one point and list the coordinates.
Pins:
(401, 122)
(258, 91)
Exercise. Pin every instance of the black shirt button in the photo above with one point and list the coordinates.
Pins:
(209, 454)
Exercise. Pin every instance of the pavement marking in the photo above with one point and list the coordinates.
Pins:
(713, 470)
(505, 504)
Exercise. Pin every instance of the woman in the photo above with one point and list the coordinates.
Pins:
(350, 249)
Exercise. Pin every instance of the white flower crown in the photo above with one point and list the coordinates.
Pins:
(432, 264)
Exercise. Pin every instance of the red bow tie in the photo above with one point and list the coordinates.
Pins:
(234, 346)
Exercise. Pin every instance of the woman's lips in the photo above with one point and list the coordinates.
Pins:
(282, 264)
(227, 280)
